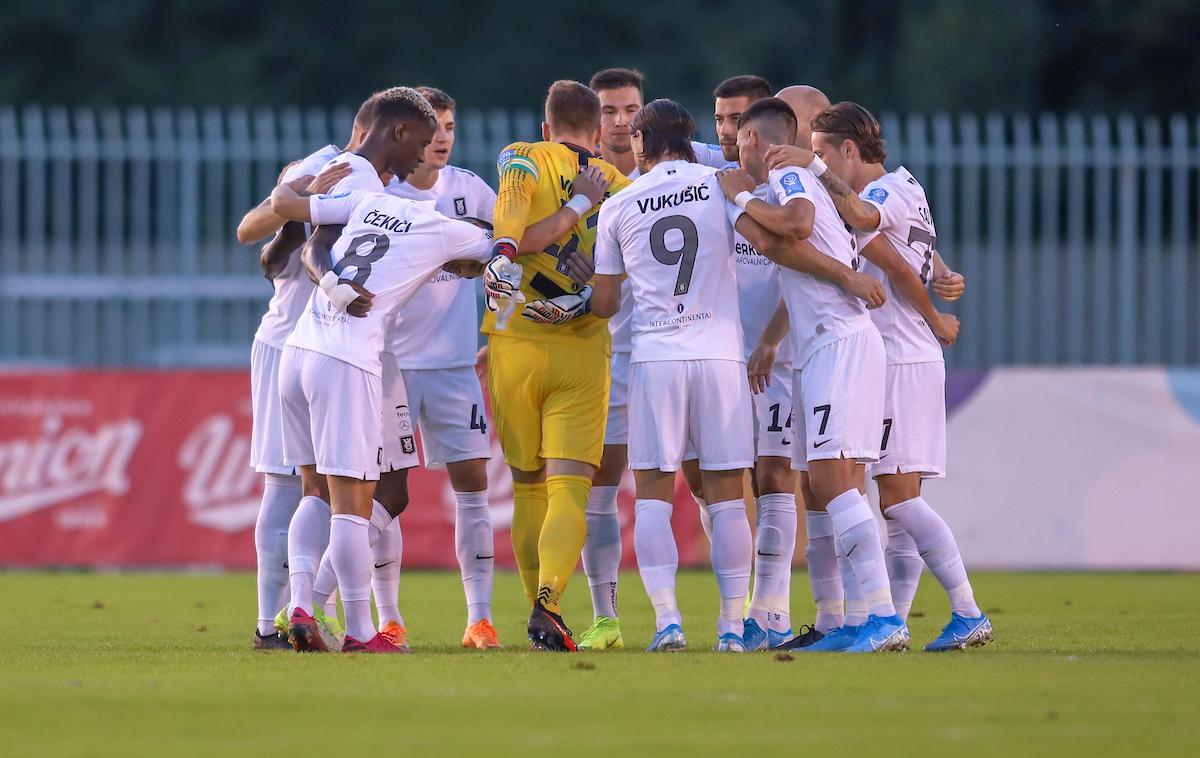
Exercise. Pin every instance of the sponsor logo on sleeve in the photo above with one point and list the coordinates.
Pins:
(791, 184)
(877, 195)
(334, 197)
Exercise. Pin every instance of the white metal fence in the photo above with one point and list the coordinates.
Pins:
(1077, 235)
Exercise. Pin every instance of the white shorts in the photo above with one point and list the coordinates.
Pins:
(330, 415)
(704, 403)
(616, 432)
(448, 403)
(914, 421)
(838, 399)
(773, 415)
(266, 430)
(398, 423)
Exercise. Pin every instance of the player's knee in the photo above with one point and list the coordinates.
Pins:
(468, 476)
(392, 494)
(774, 476)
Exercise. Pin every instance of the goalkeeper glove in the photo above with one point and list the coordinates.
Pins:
(559, 310)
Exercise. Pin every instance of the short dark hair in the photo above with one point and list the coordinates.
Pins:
(615, 78)
(570, 106)
(851, 121)
(437, 98)
(747, 85)
(775, 112)
(666, 128)
(401, 104)
(366, 112)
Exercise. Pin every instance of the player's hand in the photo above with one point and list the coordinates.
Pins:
(328, 178)
(360, 306)
(579, 267)
(782, 156)
(466, 269)
(300, 184)
(558, 310)
(346, 295)
(946, 329)
(949, 285)
(495, 284)
(481, 366)
(759, 368)
(591, 183)
(866, 288)
(734, 181)
(283, 171)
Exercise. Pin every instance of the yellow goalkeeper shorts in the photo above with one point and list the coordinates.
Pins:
(549, 400)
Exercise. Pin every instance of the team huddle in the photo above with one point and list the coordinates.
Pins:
(653, 303)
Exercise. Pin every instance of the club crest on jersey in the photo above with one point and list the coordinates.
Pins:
(877, 195)
(460, 206)
(408, 445)
(791, 183)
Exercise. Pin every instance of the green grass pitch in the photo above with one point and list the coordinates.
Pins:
(161, 665)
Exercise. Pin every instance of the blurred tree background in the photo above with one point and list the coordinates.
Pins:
(920, 55)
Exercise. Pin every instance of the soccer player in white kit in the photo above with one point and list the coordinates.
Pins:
(432, 344)
(898, 238)
(331, 372)
(838, 380)
(672, 233)
(292, 288)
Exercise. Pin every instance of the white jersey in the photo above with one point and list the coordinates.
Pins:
(759, 291)
(621, 324)
(393, 246)
(905, 222)
(672, 233)
(292, 285)
(439, 327)
(819, 312)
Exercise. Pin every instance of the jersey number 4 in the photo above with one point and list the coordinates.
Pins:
(684, 256)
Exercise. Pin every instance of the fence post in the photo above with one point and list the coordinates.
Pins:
(114, 347)
(1051, 309)
(189, 222)
(1179, 293)
(1076, 284)
(1023, 281)
(10, 225)
(1126, 254)
(997, 289)
(972, 254)
(1152, 336)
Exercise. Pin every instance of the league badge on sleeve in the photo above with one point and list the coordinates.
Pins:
(877, 195)
(460, 206)
(791, 184)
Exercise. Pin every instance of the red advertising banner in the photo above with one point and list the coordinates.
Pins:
(149, 469)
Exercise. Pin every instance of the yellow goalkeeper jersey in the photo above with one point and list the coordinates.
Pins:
(535, 181)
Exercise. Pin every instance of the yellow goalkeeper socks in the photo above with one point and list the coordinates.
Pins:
(529, 511)
(562, 536)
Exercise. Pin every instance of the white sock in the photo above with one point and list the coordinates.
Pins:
(732, 547)
(476, 551)
(705, 518)
(308, 536)
(937, 546)
(350, 549)
(823, 573)
(657, 558)
(856, 601)
(775, 544)
(854, 525)
(281, 495)
(387, 549)
(904, 566)
(602, 549)
(324, 588)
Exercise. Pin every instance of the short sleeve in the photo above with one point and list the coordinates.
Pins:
(607, 252)
(788, 184)
(333, 209)
(709, 155)
(889, 207)
(733, 212)
(463, 241)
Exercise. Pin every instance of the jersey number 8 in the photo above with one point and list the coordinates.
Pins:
(362, 263)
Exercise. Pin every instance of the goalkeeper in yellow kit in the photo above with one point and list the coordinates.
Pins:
(548, 367)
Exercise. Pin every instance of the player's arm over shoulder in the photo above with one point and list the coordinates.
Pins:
(520, 172)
